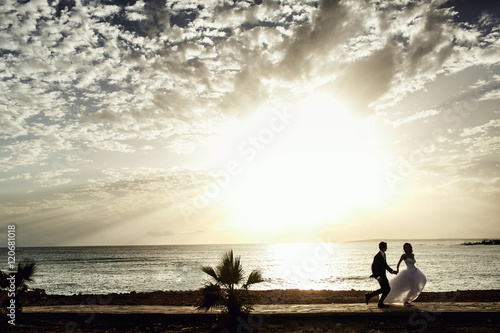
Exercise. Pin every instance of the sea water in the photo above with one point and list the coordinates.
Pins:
(448, 266)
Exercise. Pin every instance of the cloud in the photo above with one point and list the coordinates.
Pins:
(367, 79)
(490, 88)
(315, 38)
(155, 71)
(122, 198)
(430, 44)
(12, 127)
(22, 153)
(26, 176)
(419, 115)
(485, 129)
(53, 178)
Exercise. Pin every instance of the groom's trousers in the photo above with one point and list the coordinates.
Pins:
(384, 289)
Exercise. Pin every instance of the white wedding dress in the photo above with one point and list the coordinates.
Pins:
(407, 285)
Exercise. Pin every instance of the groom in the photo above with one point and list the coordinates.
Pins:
(379, 266)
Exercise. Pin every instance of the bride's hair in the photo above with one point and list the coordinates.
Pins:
(411, 248)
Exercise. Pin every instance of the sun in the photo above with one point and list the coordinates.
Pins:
(320, 167)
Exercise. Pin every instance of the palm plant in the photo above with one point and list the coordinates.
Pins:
(26, 269)
(227, 290)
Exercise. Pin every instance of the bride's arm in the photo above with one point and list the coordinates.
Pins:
(399, 262)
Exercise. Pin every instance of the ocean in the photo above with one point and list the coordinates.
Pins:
(448, 266)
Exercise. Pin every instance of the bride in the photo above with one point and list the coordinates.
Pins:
(407, 284)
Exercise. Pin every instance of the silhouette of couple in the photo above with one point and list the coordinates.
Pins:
(405, 287)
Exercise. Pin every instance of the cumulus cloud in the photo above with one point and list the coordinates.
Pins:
(53, 178)
(25, 176)
(492, 125)
(419, 115)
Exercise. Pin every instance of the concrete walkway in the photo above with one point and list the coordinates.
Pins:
(355, 308)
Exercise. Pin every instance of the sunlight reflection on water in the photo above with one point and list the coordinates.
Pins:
(448, 266)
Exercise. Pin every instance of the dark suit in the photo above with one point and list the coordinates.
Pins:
(379, 266)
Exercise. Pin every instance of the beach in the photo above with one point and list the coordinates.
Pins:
(275, 311)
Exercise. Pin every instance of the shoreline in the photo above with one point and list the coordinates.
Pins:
(276, 296)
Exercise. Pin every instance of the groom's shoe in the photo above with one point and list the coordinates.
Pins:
(383, 306)
(367, 298)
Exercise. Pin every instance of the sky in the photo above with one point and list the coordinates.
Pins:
(197, 122)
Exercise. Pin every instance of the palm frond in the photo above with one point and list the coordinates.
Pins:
(211, 271)
(211, 288)
(230, 269)
(26, 270)
(253, 278)
(4, 283)
(213, 297)
(237, 270)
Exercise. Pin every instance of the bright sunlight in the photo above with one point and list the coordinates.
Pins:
(317, 169)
